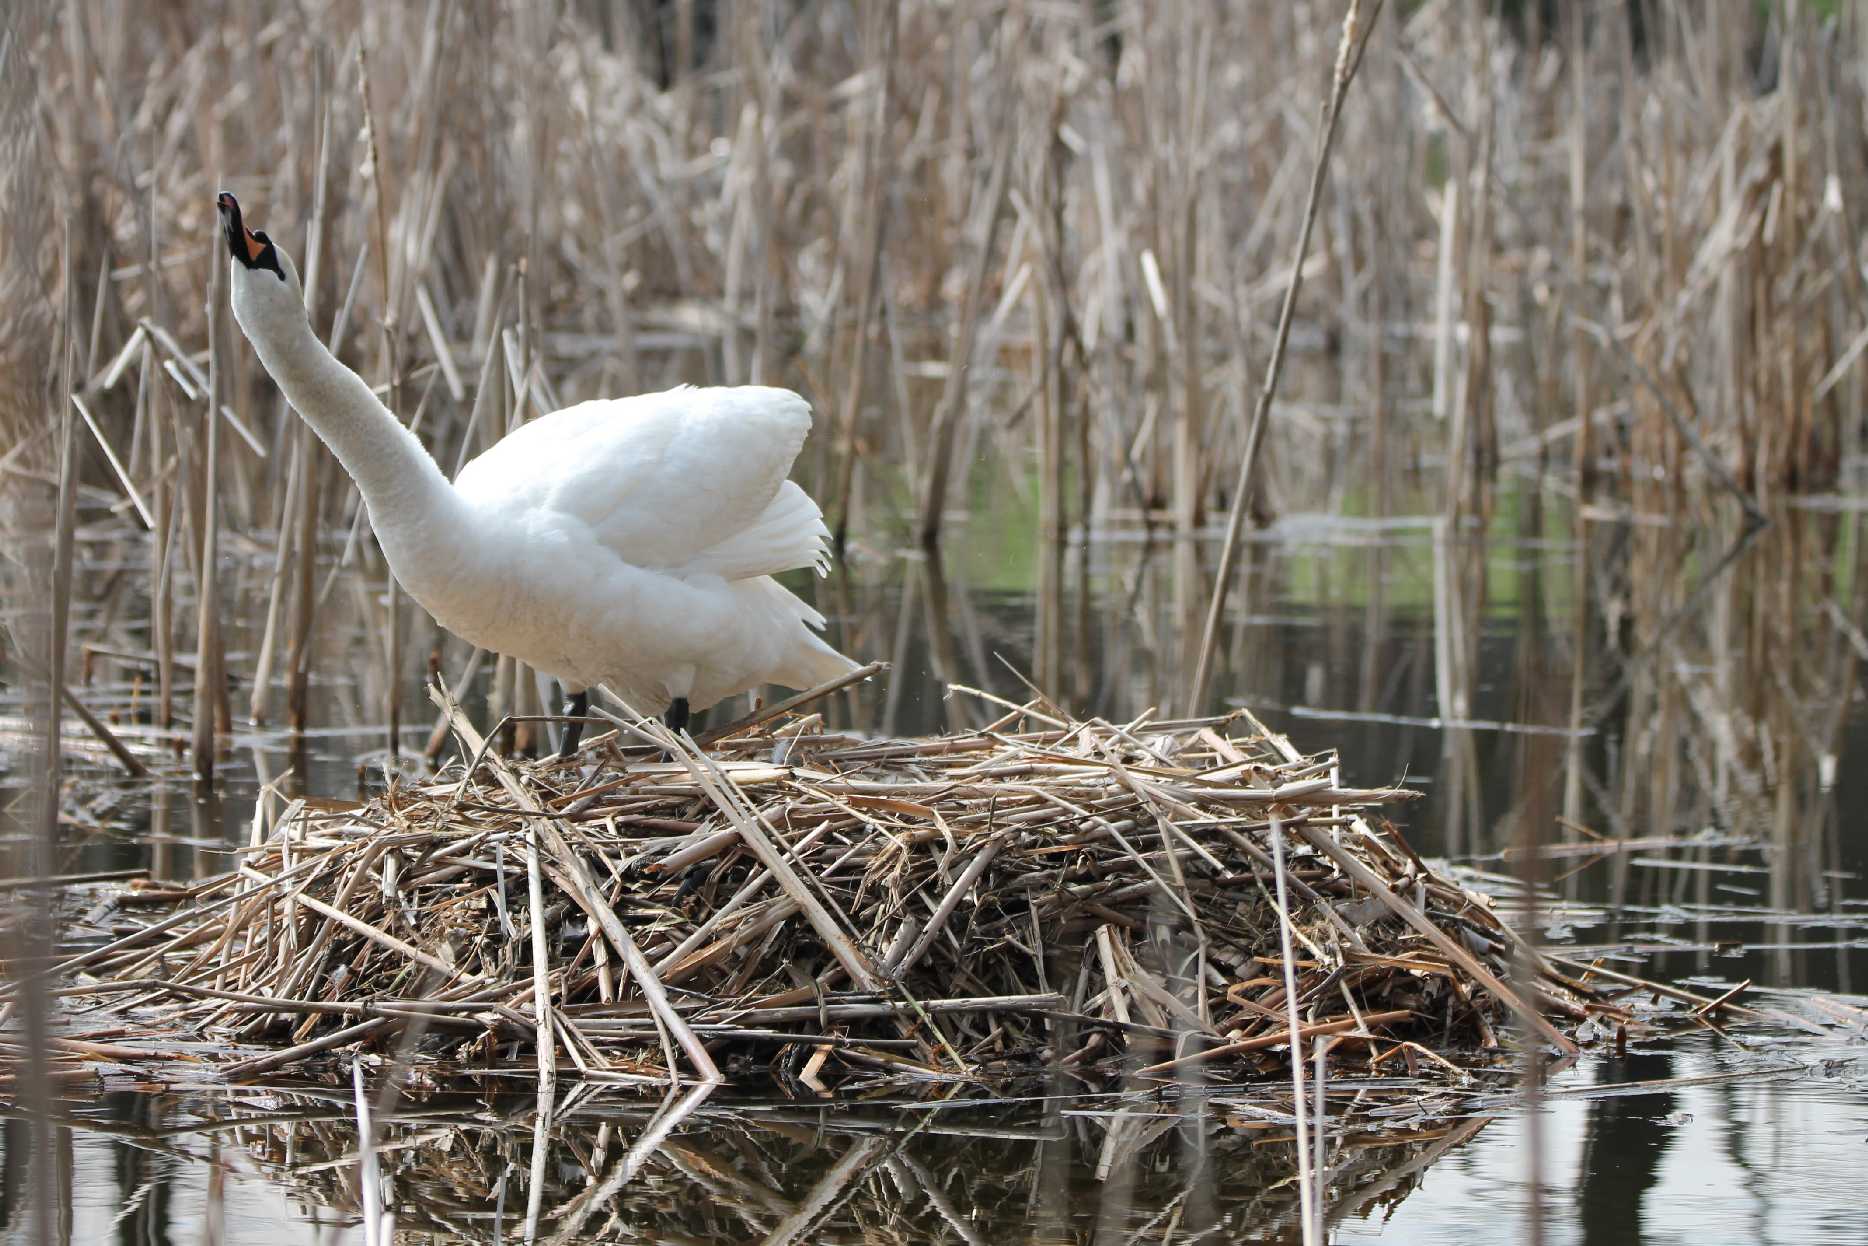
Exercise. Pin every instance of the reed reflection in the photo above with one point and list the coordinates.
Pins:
(1624, 1140)
(587, 1166)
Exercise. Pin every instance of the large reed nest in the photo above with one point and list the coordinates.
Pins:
(1040, 893)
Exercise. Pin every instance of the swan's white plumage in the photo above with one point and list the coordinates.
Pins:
(690, 481)
(625, 542)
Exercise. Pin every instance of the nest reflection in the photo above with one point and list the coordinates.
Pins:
(594, 1167)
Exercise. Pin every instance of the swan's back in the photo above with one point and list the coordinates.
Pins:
(636, 538)
(662, 480)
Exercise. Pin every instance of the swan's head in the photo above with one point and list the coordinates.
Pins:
(266, 294)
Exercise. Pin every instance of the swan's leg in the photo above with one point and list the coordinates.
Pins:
(677, 716)
(575, 707)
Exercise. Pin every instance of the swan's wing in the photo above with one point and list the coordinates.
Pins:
(687, 480)
(787, 535)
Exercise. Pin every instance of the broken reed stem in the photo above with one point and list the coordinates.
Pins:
(1356, 34)
(1319, 1154)
(132, 765)
(778, 709)
(541, 964)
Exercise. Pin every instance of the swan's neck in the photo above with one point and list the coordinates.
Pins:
(418, 518)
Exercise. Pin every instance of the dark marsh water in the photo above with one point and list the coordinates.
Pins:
(1654, 673)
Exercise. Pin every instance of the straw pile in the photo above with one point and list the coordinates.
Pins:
(1039, 893)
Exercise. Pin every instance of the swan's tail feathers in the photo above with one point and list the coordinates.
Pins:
(813, 662)
(787, 535)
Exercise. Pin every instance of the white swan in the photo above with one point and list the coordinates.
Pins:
(628, 542)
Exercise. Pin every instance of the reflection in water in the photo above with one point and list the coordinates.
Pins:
(1623, 1142)
(145, 1179)
(14, 1136)
(1723, 1145)
(595, 1167)
(1551, 675)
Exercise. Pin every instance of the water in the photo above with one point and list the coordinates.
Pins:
(1739, 1154)
(1658, 677)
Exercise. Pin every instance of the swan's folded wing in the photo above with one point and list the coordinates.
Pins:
(659, 479)
(789, 535)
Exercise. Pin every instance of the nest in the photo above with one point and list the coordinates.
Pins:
(1167, 899)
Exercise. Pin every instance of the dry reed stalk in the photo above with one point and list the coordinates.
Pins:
(1355, 41)
(878, 163)
(209, 688)
(37, 932)
(307, 451)
(131, 763)
(117, 469)
(984, 215)
(1307, 1190)
(150, 398)
(275, 597)
(392, 592)
(542, 1015)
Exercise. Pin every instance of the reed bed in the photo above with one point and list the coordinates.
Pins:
(1169, 898)
(1002, 248)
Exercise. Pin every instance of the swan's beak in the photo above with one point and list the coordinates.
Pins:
(240, 241)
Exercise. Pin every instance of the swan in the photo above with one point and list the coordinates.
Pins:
(628, 542)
